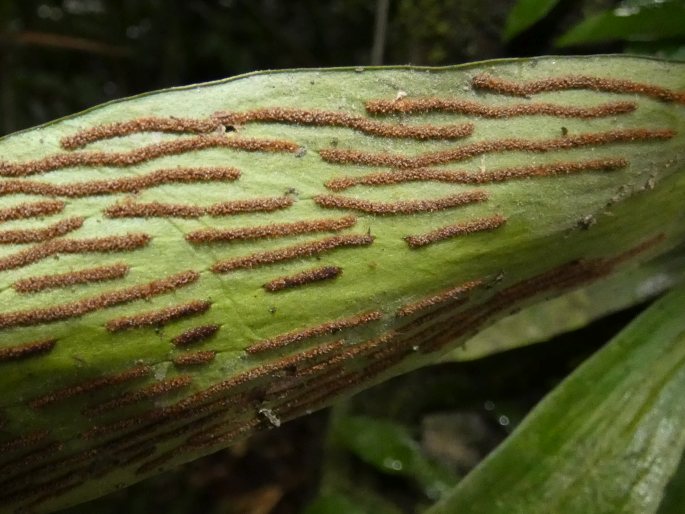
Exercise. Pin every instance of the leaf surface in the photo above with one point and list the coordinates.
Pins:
(182, 268)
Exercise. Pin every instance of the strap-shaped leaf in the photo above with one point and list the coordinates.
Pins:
(608, 439)
(182, 268)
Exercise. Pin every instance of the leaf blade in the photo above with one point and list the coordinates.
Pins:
(524, 14)
(659, 21)
(604, 439)
(116, 366)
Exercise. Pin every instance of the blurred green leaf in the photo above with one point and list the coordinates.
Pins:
(606, 440)
(674, 497)
(648, 22)
(524, 14)
(577, 309)
(663, 49)
(391, 449)
(335, 503)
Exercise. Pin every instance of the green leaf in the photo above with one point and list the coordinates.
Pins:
(524, 14)
(391, 449)
(649, 22)
(674, 495)
(335, 503)
(606, 440)
(216, 259)
(574, 310)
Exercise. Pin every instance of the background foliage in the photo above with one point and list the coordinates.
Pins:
(404, 444)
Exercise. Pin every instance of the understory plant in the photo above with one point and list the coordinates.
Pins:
(184, 268)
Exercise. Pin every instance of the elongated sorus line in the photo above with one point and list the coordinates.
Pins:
(265, 204)
(342, 119)
(193, 406)
(566, 276)
(451, 294)
(125, 243)
(120, 185)
(223, 438)
(24, 350)
(460, 153)
(565, 82)
(31, 210)
(130, 209)
(75, 309)
(90, 386)
(457, 229)
(292, 252)
(150, 391)
(476, 177)
(273, 230)
(72, 463)
(37, 235)
(401, 206)
(330, 327)
(195, 335)
(71, 278)
(23, 441)
(148, 124)
(304, 277)
(170, 434)
(194, 358)
(140, 155)
(462, 106)
(40, 454)
(158, 317)
(42, 491)
(291, 363)
(187, 409)
(221, 433)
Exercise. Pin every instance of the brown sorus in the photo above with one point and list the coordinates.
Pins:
(231, 435)
(120, 185)
(37, 316)
(24, 350)
(565, 276)
(292, 252)
(125, 243)
(89, 386)
(23, 441)
(460, 153)
(195, 358)
(401, 206)
(476, 177)
(130, 209)
(31, 210)
(566, 82)
(158, 317)
(40, 454)
(302, 278)
(328, 328)
(83, 276)
(151, 391)
(462, 106)
(212, 235)
(37, 235)
(149, 124)
(457, 229)
(195, 335)
(341, 119)
(144, 154)
(453, 293)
